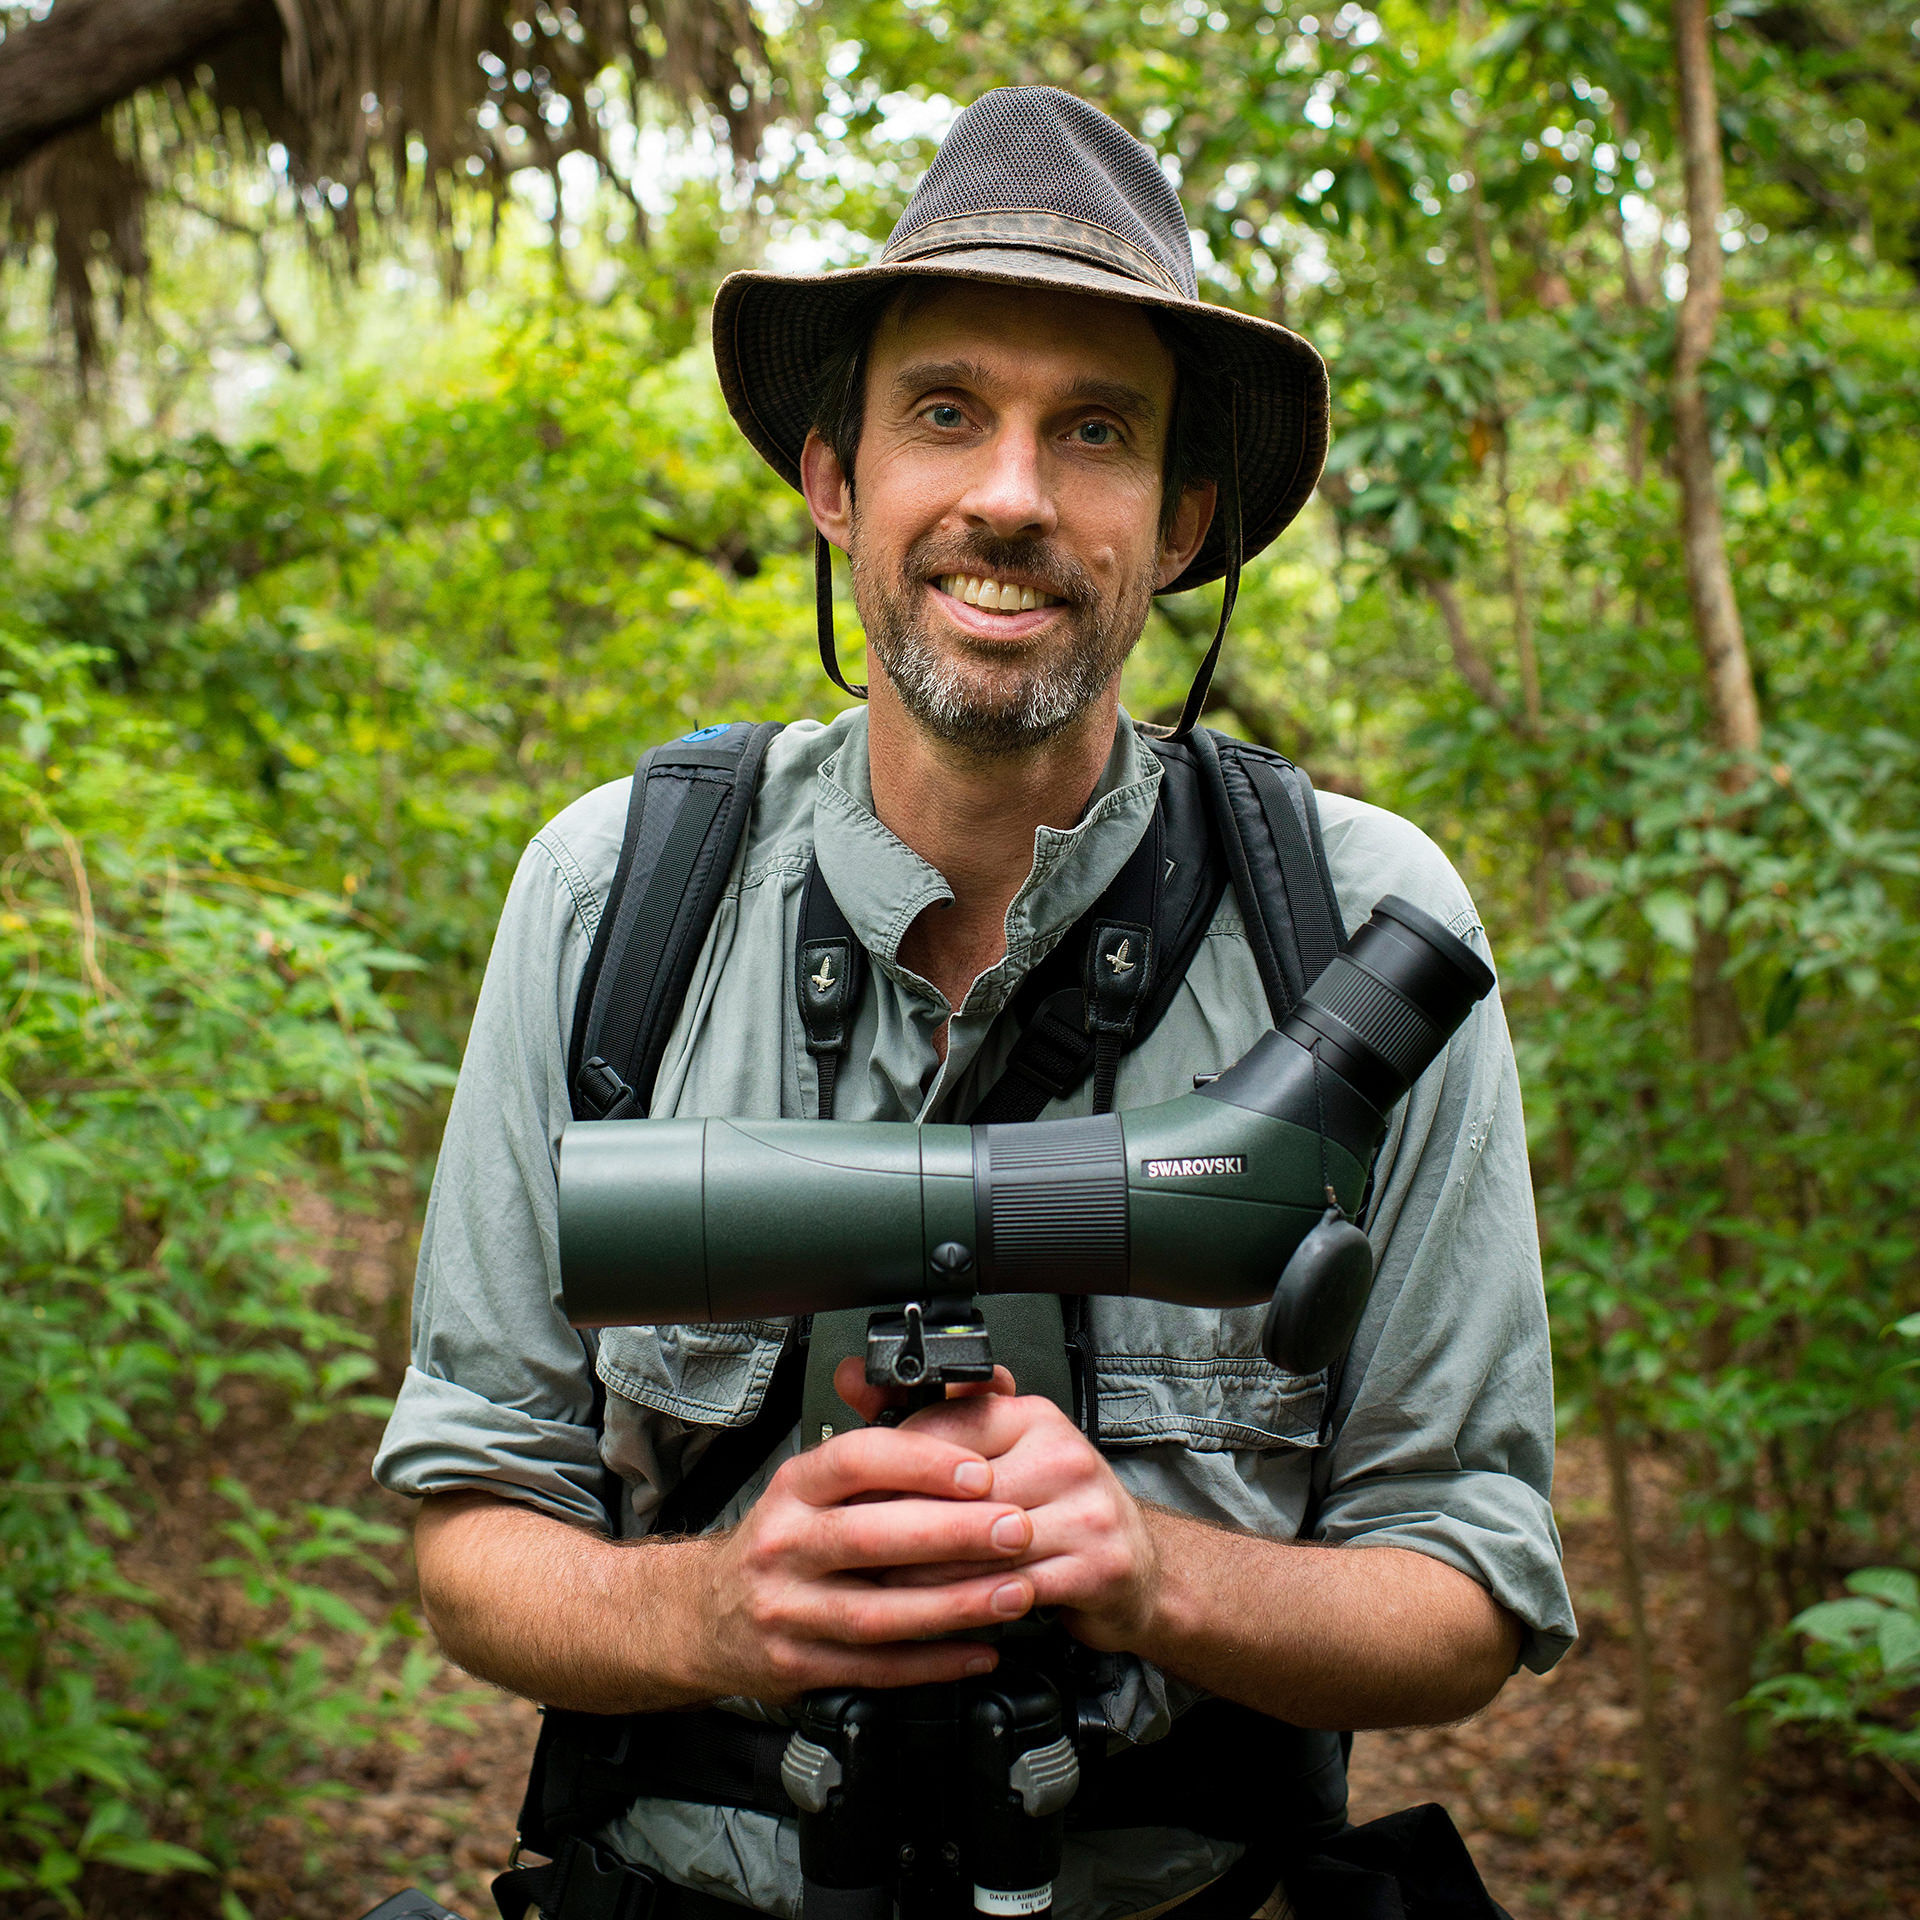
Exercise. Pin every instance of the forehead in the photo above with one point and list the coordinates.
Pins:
(1022, 340)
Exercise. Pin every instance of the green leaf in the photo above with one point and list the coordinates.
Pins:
(1840, 1623)
(1670, 915)
(1783, 1001)
(1895, 1585)
(151, 1856)
(1899, 1640)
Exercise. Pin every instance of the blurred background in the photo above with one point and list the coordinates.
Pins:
(369, 497)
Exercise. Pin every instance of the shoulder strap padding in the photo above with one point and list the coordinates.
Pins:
(1269, 824)
(686, 817)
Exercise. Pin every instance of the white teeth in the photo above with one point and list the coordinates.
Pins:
(995, 595)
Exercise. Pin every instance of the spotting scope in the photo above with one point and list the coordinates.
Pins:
(1242, 1191)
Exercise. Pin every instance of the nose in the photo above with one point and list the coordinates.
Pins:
(1008, 494)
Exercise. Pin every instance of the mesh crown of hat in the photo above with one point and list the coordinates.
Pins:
(1039, 149)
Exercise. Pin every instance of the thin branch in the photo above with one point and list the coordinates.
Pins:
(276, 333)
(1472, 663)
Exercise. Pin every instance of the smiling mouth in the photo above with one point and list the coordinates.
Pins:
(995, 596)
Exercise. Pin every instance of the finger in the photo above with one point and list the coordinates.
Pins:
(885, 1460)
(990, 1423)
(856, 1612)
(850, 1382)
(909, 1532)
(1001, 1383)
(917, 1663)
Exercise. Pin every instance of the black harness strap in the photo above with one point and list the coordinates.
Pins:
(685, 821)
(1159, 905)
(829, 977)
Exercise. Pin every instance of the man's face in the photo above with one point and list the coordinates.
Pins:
(1004, 525)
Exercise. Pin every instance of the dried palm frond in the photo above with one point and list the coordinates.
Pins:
(381, 107)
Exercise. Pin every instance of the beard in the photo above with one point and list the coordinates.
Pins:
(995, 698)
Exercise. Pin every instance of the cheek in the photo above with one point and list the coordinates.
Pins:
(903, 492)
(1116, 527)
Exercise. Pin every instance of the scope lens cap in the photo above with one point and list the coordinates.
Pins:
(1320, 1296)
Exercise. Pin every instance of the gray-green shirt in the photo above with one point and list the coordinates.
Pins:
(1442, 1438)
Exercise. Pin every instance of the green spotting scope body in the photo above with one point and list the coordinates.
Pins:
(1201, 1200)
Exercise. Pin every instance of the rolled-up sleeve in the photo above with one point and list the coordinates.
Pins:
(500, 1393)
(1444, 1432)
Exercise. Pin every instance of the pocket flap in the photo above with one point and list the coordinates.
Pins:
(1197, 1378)
(710, 1375)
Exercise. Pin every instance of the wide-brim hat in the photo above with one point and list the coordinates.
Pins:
(1034, 188)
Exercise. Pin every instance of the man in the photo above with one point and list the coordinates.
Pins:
(1005, 425)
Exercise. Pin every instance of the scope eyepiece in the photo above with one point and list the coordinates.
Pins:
(1380, 1012)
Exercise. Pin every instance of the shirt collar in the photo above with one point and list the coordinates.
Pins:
(883, 886)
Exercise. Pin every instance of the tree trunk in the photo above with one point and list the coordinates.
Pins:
(1716, 611)
(1523, 640)
(1728, 1614)
(1633, 1587)
(88, 55)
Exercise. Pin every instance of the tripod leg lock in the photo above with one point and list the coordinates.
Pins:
(1046, 1778)
(809, 1773)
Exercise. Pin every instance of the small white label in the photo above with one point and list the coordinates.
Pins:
(1204, 1167)
(1030, 1900)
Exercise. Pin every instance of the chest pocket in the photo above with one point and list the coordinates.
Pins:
(671, 1391)
(1196, 1378)
(713, 1375)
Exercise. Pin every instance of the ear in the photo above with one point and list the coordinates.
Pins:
(828, 490)
(1191, 519)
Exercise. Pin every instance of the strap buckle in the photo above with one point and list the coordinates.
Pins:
(581, 1883)
(602, 1089)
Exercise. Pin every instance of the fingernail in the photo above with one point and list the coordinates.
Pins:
(1010, 1530)
(979, 1664)
(1012, 1598)
(973, 1476)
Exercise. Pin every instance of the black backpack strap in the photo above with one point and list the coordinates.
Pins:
(1269, 826)
(829, 977)
(685, 820)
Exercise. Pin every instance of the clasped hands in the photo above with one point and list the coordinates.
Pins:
(867, 1553)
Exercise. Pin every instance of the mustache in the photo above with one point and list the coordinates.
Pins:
(1034, 561)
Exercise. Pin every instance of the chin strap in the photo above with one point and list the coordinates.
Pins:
(823, 614)
(1230, 592)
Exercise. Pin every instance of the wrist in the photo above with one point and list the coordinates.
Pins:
(663, 1619)
(1172, 1590)
(695, 1641)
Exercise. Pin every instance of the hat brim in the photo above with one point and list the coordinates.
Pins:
(772, 332)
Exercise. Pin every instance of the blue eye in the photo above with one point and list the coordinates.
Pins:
(944, 413)
(1096, 433)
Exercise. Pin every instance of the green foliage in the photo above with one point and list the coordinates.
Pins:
(1863, 1668)
(187, 1041)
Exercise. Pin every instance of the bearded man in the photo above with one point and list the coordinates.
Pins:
(1020, 425)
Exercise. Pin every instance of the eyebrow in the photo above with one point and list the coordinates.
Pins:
(924, 376)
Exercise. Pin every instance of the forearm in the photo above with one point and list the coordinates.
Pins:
(561, 1615)
(1345, 1637)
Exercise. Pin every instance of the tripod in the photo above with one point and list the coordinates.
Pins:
(949, 1799)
